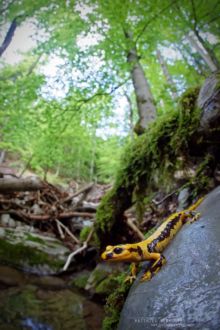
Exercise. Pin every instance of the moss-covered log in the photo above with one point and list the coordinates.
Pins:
(151, 160)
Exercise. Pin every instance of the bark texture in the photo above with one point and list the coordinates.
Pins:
(166, 74)
(13, 184)
(199, 45)
(9, 35)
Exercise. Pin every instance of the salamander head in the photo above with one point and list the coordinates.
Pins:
(124, 252)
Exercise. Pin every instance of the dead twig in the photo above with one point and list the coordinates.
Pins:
(68, 231)
(166, 197)
(82, 190)
(60, 229)
(79, 250)
(135, 229)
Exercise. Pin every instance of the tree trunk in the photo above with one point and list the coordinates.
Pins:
(13, 184)
(131, 116)
(167, 75)
(9, 36)
(198, 44)
(2, 156)
(144, 97)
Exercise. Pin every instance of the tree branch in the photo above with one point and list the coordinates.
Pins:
(154, 18)
(194, 15)
(82, 248)
(9, 35)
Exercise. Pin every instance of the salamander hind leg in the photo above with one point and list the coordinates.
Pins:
(155, 267)
(195, 217)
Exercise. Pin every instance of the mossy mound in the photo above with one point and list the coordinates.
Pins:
(149, 163)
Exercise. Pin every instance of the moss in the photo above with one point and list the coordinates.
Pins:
(84, 233)
(149, 162)
(107, 285)
(20, 255)
(80, 281)
(114, 303)
(201, 183)
(36, 239)
(97, 276)
(105, 211)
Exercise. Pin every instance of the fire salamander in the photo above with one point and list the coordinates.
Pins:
(151, 248)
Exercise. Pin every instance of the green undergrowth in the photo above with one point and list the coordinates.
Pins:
(149, 162)
(115, 302)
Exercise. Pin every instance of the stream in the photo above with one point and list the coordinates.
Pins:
(33, 302)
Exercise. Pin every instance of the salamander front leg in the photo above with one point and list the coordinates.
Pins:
(154, 269)
(134, 270)
(190, 216)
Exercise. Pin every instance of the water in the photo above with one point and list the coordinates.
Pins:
(28, 302)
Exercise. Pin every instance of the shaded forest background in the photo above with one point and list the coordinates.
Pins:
(71, 103)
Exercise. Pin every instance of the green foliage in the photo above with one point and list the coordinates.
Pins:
(108, 157)
(61, 134)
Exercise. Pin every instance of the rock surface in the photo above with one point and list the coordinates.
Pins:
(31, 251)
(185, 294)
(209, 102)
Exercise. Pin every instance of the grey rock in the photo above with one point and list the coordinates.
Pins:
(183, 198)
(36, 209)
(11, 223)
(209, 102)
(5, 218)
(42, 254)
(185, 294)
(2, 232)
(10, 276)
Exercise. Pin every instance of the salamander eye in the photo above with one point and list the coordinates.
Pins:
(117, 250)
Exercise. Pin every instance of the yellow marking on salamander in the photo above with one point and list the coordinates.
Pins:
(151, 248)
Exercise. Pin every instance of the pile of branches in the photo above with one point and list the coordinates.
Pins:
(41, 201)
(49, 209)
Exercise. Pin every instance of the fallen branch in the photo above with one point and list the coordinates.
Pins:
(13, 184)
(82, 190)
(166, 197)
(60, 229)
(76, 214)
(47, 217)
(135, 229)
(82, 248)
(68, 231)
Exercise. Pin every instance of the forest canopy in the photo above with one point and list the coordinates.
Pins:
(90, 75)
